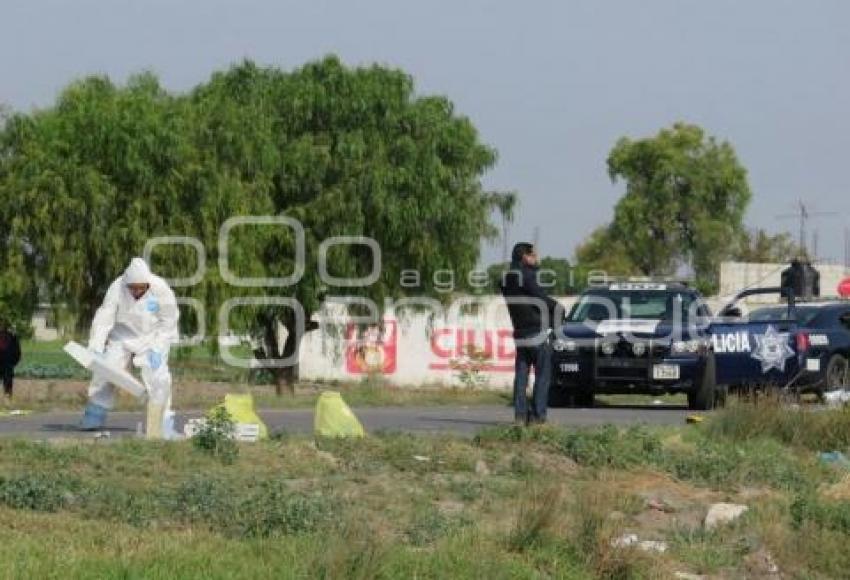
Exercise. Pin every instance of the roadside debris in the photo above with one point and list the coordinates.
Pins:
(837, 397)
(629, 540)
(835, 458)
(659, 506)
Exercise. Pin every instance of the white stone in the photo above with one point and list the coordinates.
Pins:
(652, 546)
(723, 513)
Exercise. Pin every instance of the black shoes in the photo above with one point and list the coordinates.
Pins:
(534, 420)
(528, 419)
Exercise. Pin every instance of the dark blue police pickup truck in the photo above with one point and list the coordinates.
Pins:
(654, 338)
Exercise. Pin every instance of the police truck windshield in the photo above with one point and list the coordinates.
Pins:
(601, 305)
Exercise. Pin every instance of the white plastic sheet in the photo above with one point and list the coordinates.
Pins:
(117, 376)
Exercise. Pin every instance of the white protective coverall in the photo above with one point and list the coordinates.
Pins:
(126, 329)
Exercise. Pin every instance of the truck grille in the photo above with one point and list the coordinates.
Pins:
(623, 364)
(615, 373)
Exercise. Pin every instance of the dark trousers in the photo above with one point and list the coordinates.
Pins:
(8, 373)
(540, 358)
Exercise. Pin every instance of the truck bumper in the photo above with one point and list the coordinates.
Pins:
(645, 375)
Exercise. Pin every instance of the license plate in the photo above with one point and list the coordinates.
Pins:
(665, 372)
(813, 365)
(569, 367)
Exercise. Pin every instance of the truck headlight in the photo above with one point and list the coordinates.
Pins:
(639, 349)
(561, 345)
(607, 348)
(693, 346)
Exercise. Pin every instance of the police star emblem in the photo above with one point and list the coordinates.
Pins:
(772, 349)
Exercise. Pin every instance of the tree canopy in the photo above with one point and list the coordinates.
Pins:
(686, 195)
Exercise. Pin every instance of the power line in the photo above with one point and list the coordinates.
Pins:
(804, 215)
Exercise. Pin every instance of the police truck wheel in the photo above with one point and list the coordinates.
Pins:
(703, 396)
(836, 373)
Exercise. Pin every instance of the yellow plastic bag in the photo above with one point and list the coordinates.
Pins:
(241, 410)
(334, 418)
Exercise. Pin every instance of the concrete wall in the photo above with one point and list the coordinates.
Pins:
(43, 324)
(417, 349)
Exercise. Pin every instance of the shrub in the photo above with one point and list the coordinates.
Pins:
(34, 492)
(606, 446)
(216, 436)
(721, 463)
(611, 447)
(428, 526)
(770, 418)
(830, 515)
(537, 518)
(201, 499)
(272, 510)
(105, 501)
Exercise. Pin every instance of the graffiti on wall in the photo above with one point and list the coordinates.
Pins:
(494, 346)
(372, 349)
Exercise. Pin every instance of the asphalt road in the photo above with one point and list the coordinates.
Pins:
(459, 420)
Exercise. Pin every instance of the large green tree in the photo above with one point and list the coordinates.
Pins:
(345, 152)
(686, 195)
(19, 290)
(89, 180)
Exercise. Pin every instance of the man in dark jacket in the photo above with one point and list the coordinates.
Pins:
(10, 355)
(532, 314)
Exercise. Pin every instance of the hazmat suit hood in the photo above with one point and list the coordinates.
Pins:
(137, 272)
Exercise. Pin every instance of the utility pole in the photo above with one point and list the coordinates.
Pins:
(504, 238)
(846, 249)
(804, 215)
(814, 245)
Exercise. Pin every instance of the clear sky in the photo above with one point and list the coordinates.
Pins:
(551, 85)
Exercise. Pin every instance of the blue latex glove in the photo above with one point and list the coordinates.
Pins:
(154, 359)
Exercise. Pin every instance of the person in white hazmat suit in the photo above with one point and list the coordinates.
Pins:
(137, 322)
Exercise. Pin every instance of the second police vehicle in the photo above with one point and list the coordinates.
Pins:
(661, 337)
